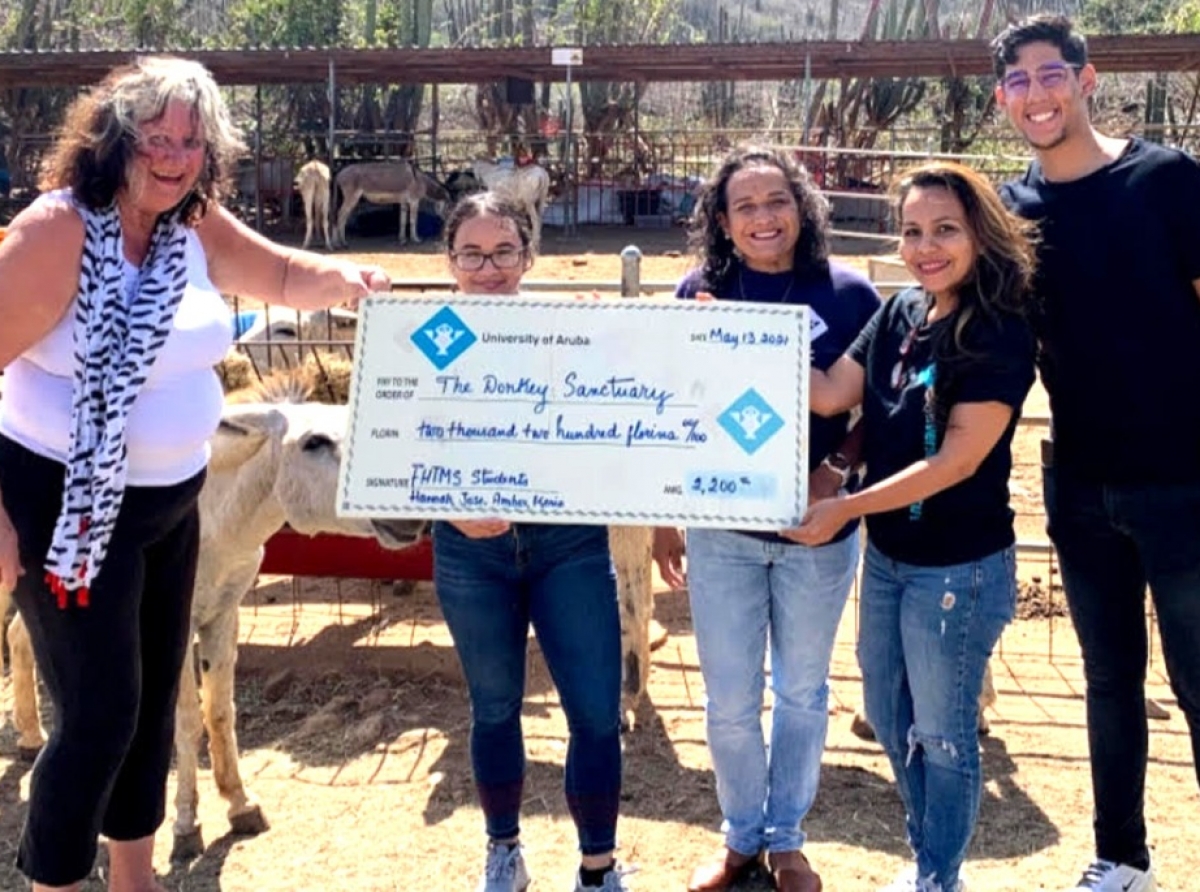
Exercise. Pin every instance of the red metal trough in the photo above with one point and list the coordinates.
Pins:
(345, 557)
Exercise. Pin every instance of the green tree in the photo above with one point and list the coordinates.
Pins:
(28, 112)
(1126, 16)
(609, 107)
(1143, 17)
(291, 23)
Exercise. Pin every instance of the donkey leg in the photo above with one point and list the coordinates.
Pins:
(631, 552)
(218, 658)
(349, 200)
(323, 212)
(31, 737)
(414, 209)
(189, 841)
(987, 699)
(309, 210)
(401, 238)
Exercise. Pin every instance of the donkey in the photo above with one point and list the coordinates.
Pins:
(388, 182)
(313, 182)
(528, 187)
(274, 461)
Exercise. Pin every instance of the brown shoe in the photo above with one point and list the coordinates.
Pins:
(793, 873)
(723, 871)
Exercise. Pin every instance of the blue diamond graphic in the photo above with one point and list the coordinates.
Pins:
(443, 338)
(750, 421)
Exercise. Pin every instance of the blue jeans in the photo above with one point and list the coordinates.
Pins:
(925, 636)
(1113, 540)
(560, 579)
(745, 592)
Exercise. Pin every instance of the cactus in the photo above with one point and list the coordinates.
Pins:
(405, 101)
(865, 107)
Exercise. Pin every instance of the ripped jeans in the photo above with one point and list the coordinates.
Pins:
(925, 636)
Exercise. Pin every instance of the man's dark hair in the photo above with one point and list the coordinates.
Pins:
(1052, 29)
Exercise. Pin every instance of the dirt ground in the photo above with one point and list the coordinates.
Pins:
(353, 723)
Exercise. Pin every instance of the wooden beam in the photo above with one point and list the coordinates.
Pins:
(654, 63)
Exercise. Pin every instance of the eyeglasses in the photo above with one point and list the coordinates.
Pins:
(159, 146)
(473, 261)
(1050, 76)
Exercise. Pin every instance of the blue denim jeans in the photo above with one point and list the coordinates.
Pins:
(560, 579)
(745, 593)
(1112, 541)
(925, 636)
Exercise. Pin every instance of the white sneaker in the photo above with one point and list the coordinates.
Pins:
(1104, 876)
(504, 870)
(614, 880)
(908, 882)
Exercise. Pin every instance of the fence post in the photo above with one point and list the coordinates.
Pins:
(631, 271)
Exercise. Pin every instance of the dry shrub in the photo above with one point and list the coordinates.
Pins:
(325, 377)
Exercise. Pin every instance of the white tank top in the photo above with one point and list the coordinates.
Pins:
(176, 411)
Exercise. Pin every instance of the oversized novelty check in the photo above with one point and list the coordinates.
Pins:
(553, 409)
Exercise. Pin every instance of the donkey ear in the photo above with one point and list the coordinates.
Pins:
(242, 432)
(343, 318)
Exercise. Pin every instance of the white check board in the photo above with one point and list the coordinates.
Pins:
(560, 410)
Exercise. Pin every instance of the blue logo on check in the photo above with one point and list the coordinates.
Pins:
(443, 338)
(750, 421)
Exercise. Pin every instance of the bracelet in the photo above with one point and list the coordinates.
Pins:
(843, 472)
(841, 461)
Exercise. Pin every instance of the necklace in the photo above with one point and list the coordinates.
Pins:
(782, 299)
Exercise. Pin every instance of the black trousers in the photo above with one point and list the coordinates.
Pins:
(111, 668)
(1113, 541)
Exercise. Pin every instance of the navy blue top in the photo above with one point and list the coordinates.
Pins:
(841, 302)
(1119, 320)
(906, 401)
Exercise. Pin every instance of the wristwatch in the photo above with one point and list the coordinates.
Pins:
(840, 465)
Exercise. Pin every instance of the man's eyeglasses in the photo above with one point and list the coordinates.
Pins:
(1050, 76)
(473, 261)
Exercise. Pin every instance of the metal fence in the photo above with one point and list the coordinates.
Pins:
(1038, 574)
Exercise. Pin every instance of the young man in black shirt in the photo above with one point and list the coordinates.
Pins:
(1118, 325)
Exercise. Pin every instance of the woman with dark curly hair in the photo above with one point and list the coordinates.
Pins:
(941, 373)
(113, 320)
(760, 232)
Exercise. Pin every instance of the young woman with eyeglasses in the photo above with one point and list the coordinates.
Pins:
(941, 372)
(494, 580)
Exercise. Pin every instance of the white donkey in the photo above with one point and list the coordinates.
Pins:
(313, 182)
(388, 182)
(273, 462)
(528, 187)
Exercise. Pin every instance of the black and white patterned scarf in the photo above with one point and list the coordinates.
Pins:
(116, 343)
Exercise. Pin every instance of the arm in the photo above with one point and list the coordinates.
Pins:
(837, 390)
(668, 551)
(826, 480)
(971, 432)
(486, 528)
(39, 266)
(242, 261)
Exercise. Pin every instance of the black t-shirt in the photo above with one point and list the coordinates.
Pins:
(1118, 319)
(906, 403)
(841, 301)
